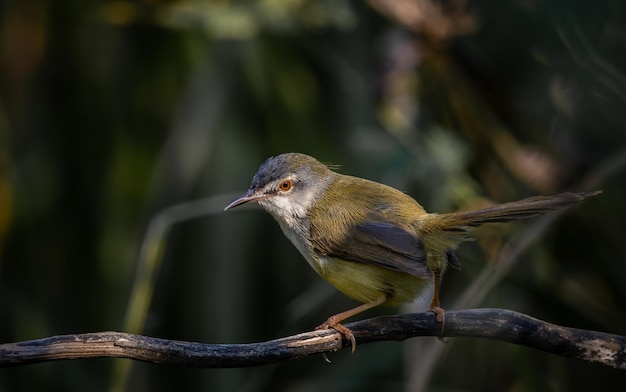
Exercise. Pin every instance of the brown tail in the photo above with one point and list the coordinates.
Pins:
(522, 209)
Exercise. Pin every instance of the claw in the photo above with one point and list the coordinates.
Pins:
(334, 321)
(440, 313)
(346, 332)
(440, 316)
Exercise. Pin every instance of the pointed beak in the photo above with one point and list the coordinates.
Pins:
(251, 195)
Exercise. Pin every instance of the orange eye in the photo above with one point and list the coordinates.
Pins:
(285, 185)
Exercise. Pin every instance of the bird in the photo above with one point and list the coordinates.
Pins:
(372, 242)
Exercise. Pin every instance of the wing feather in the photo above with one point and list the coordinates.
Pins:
(380, 243)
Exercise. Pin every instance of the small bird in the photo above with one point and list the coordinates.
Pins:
(372, 242)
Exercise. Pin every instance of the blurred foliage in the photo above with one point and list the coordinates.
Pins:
(112, 112)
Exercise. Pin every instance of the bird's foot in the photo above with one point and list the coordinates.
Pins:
(346, 332)
(440, 316)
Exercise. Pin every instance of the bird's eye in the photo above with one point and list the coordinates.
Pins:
(285, 186)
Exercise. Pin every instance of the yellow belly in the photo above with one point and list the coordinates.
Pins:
(367, 283)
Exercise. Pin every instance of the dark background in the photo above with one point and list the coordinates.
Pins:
(113, 111)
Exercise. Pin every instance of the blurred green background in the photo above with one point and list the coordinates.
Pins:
(113, 112)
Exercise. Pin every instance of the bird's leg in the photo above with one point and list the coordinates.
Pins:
(435, 306)
(334, 321)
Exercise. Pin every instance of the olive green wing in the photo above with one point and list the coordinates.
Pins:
(380, 243)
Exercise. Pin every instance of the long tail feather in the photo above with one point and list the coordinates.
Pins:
(522, 209)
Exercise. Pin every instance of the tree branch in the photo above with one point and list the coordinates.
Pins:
(496, 324)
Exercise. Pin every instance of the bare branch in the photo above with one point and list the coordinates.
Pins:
(496, 324)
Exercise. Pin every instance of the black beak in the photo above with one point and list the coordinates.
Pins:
(251, 195)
